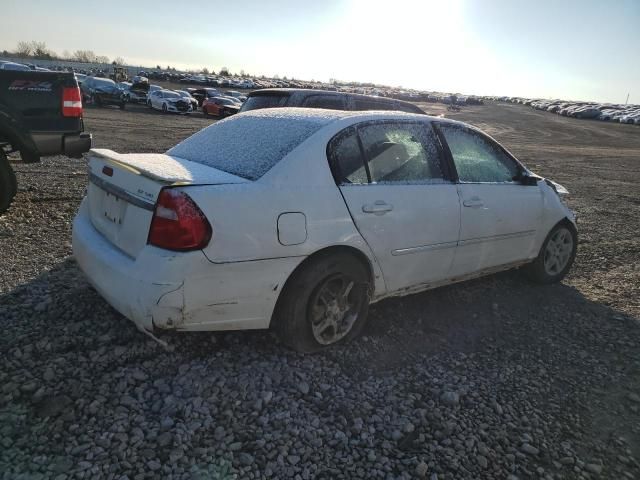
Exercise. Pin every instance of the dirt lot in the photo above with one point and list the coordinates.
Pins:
(495, 378)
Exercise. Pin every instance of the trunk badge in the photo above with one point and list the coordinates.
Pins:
(108, 171)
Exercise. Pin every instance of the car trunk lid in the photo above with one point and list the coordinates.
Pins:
(123, 189)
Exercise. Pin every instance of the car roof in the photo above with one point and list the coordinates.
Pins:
(327, 116)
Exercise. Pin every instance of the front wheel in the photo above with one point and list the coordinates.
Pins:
(8, 183)
(324, 303)
(164, 108)
(556, 255)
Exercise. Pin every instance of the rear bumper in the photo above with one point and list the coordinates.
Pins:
(76, 145)
(56, 143)
(113, 273)
(181, 291)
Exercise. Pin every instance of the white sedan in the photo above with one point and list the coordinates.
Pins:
(169, 101)
(298, 219)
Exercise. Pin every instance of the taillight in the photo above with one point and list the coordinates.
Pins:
(178, 223)
(71, 102)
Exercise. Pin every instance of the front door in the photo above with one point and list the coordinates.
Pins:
(500, 216)
(395, 185)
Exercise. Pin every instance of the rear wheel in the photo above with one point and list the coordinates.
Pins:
(324, 303)
(8, 183)
(97, 100)
(556, 255)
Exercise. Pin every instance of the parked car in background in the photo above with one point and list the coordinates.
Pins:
(220, 106)
(169, 101)
(201, 94)
(103, 91)
(187, 95)
(298, 219)
(14, 66)
(286, 97)
(150, 90)
(139, 89)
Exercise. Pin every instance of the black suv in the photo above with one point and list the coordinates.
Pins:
(308, 98)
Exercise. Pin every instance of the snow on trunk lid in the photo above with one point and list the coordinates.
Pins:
(123, 189)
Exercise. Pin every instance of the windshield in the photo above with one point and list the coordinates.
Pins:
(170, 95)
(182, 93)
(247, 146)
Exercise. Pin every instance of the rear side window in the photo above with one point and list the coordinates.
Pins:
(332, 102)
(387, 153)
(246, 146)
(255, 102)
(401, 153)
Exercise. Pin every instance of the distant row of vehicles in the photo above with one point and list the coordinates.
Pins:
(607, 112)
(104, 91)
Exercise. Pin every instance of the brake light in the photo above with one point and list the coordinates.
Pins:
(71, 102)
(178, 223)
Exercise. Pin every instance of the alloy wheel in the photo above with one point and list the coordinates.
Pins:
(558, 251)
(334, 308)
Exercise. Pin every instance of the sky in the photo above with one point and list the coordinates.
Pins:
(570, 49)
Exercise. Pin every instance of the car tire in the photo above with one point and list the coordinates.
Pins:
(8, 183)
(164, 108)
(123, 105)
(556, 255)
(97, 101)
(325, 302)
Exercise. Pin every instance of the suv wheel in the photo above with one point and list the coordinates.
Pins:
(324, 303)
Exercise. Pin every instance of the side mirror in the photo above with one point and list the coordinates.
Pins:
(525, 179)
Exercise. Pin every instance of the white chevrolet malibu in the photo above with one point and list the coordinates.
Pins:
(298, 219)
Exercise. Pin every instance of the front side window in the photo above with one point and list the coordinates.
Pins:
(476, 159)
(386, 153)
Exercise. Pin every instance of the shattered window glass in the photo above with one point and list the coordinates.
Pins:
(476, 160)
(401, 153)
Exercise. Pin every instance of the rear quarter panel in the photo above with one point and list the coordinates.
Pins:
(244, 217)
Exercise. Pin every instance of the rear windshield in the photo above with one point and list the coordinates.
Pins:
(255, 102)
(247, 146)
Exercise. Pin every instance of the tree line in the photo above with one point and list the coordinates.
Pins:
(40, 51)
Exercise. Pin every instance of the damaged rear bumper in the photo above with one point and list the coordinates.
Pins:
(179, 290)
(116, 277)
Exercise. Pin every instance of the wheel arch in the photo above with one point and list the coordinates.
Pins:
(323, 253)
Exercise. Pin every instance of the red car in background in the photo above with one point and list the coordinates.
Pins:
(220, 107)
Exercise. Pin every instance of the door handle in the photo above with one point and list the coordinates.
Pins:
(379, 207)
(473, 202)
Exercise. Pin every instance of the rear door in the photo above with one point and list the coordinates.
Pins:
(500, 216)
(401, 197)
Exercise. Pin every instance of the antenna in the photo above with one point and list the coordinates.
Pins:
(627, 100)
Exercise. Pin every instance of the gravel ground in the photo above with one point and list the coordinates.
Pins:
(493, 378)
